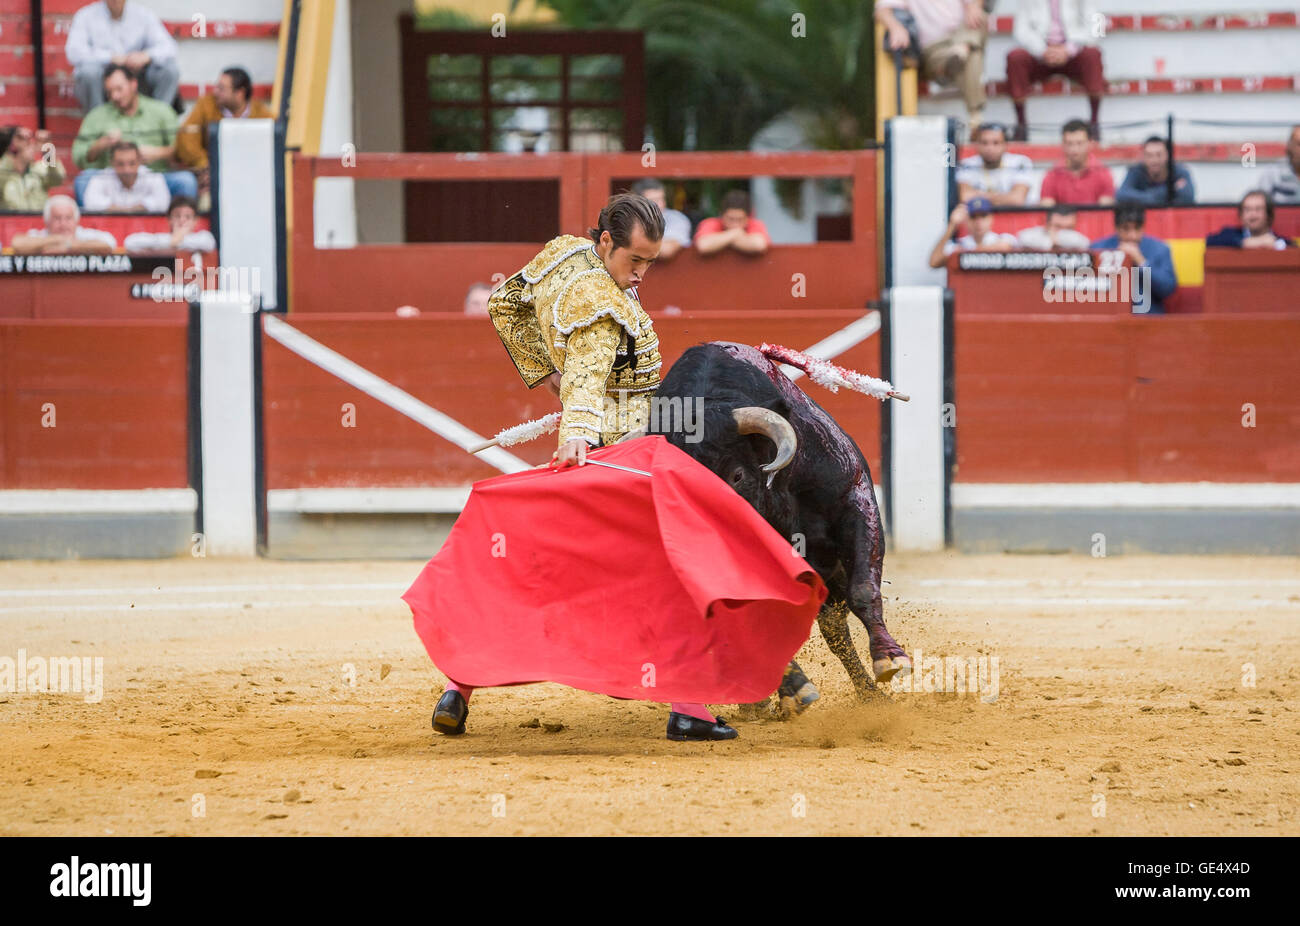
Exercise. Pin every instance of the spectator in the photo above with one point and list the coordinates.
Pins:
(1002, 178)
(978, 213)
(476, 300)
(128, 187)
(1080, 179)
(952, 34)
(130, 116)
(1148, 183)
(26, 176)
(63, 233)
(1057, 235)
(1282, 181)
(126, 34)
(1055, 37)
(1256, 228)
(231, 98)
(677, 227)
(735, 228)
(1143, 251)
(184, 233)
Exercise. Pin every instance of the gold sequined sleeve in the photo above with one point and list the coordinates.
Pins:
(511, 308)
(588, 361)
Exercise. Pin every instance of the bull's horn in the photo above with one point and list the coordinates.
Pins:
(753, 419)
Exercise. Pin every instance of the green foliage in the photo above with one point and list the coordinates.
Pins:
(730, 66)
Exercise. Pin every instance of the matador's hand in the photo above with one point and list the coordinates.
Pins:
(573, 452)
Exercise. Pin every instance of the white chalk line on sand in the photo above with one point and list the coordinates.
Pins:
(1109, 583)
(6, 593)
(182, 606)
(1027, 601)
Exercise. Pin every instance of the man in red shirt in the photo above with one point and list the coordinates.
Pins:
(735, 228)
(1079, 180)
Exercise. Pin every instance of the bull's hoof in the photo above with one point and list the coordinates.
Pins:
(796, 693)
(886, 668)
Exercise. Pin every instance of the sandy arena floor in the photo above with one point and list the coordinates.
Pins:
(1123, 707)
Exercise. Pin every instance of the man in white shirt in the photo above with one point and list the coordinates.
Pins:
(128, 187)
(677, 227)
(63, 233)
(993, 173)
(978, 214)
(121, 32)
(184, 234)
(1058, 234)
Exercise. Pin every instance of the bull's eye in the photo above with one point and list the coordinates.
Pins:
(737, 475)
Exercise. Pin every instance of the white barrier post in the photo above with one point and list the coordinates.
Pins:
(228, 414)
(920, 153)
(917, 459)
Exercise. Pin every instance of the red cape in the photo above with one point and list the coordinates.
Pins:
(661, 588)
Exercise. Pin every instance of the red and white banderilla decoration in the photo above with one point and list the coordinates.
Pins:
(832, 375)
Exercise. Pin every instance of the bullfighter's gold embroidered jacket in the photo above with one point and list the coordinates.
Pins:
(564, 312)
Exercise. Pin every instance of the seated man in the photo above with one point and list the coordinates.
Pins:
(476, 299)
(1002, 178)
(63, 233)
(735, 228)
(1055, 37)
(1143, 251)
(130, 116)
(1148, 183)
(952, 35)
(1079, 178)
(231, 98)
(1256, 228)
(677, 227)
(1282, 181)
(129, 34)
(184, 234)
(1058, 235)
(979, 214)
(26, 175)
(128, 187)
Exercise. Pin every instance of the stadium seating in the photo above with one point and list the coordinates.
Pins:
(249, 41)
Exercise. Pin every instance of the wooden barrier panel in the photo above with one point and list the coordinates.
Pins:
(435, 277)
(112, 287)
(1238, 281)
(997, 283)
(93, 405)
(1127, 399)
(321, 432)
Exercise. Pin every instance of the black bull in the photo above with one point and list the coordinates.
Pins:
(821, 496)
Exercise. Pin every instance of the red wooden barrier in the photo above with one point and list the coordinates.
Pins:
(458, 366)
(434, 277)
(116, 392)
(1096, 399)
(1002, 292)
(1240, 281)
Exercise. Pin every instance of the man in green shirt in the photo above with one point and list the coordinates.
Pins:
(26, 174)
(128, 115)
